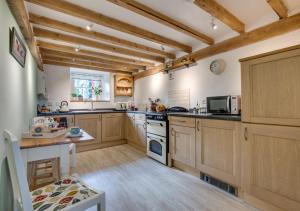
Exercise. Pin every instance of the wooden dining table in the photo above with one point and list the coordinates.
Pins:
(44, 148)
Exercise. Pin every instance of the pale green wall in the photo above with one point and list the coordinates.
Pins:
(17, 96)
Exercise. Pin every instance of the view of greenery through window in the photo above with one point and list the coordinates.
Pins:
(90, 86)
(88, 89)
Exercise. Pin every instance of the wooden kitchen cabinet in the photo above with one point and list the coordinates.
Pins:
(91, 123)
(182, 144)
(140, 128)
(270, 88)
(112, 127)
(271, 165)
(130, 134)
(218, 151)
(136, 130)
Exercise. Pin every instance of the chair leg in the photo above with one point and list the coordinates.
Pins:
(73, 154)
(101, 203)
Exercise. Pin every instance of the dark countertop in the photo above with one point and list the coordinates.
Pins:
(208, 116)
(74, 112)
(179, 114)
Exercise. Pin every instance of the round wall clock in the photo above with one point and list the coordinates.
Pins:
(217, 66)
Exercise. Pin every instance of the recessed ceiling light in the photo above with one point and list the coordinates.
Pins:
(89, 27)
(77, 49)
(214, 26)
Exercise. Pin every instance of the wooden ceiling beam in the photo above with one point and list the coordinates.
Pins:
(279, 8)
(44, 21)
(102, 65)
(18, 10)
(61, 54)
(38, 32)
(87, 63)
(271, 30)
(76, 65)
(98, 18)
(69, 49)
(147, 12)
(219, 12)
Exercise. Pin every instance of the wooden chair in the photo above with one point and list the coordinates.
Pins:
(43, 172)
(67, 194)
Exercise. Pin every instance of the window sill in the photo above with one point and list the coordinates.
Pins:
(86, 101)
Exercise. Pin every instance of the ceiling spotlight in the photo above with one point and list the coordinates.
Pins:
(162, 48)
(89, 27)
(77, 49)
(214, 26)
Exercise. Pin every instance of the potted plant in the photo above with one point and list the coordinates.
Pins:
(80, 97)
(74, 97)
(97, 92)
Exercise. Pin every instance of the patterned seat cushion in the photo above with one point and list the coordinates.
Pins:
(61, 194)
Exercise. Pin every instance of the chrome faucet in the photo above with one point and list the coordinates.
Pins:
(92, 105)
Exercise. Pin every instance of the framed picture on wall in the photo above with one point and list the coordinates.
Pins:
(17, 48)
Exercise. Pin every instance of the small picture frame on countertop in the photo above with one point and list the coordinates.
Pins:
(17, 48)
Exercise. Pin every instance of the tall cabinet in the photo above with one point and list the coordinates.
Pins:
(271, 129)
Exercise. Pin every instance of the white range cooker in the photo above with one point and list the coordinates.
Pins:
(158, 134)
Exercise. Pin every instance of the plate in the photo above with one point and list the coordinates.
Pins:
(69, 135)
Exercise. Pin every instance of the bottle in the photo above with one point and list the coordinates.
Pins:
(198, 107)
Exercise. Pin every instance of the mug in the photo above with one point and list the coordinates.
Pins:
(74, 130)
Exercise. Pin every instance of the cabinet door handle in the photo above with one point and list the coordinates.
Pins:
(172, 132)
(198, 125)
(246, 134)
(144, 126)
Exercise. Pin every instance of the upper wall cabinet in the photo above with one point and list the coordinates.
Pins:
(41, 84)
(123, 85)
(271, 88)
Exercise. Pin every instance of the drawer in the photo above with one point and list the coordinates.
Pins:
(113, 115)
(182, 121)
(140, 117)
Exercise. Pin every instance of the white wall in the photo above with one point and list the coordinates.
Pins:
(17, 97)
(58, 87)
(201, 82)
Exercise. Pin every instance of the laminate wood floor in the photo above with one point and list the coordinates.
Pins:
(134, 182)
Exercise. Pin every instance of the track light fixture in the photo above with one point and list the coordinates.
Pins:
(214, 26)
(89, 27)
(77, 49)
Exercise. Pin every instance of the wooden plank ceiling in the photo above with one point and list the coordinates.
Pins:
(59, 42)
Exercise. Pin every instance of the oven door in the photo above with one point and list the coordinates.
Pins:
(157, 127)
(157, 148)
(218, 105)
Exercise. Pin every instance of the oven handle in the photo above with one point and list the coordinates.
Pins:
(228, 104)
(156, 139)
(153, 123)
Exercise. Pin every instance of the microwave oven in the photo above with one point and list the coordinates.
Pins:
(230, 104)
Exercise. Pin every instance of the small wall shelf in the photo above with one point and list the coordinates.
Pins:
(123, 85)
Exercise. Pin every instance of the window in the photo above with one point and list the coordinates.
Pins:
(90, 85)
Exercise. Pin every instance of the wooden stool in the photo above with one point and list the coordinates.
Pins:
(43, 172)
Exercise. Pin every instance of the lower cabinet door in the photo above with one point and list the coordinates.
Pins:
(130, 134)
(140, 128)
(91, 123)
(218, 149)
(182, 144)
(112, 127)
(271, 164)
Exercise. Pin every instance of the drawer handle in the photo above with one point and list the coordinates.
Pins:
(246, 134)
(198, 124)
(183, 121)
